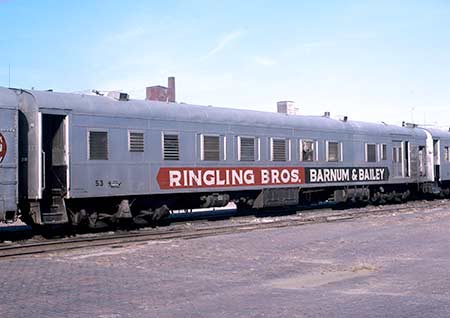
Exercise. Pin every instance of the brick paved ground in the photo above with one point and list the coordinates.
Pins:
(389, 266)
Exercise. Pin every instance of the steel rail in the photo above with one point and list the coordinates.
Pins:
(58, 245)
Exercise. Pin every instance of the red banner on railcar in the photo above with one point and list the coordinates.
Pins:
(2, 148)
(207, 177)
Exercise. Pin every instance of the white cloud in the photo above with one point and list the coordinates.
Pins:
(265, 61)
(223, 42)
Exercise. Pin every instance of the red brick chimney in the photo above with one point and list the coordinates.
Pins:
(161, 93)
(171, 89)
(157, 93)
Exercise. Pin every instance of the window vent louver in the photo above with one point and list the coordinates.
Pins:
(171, 147)
(211, 148)
(279, 150)
(247, 150)
(136, 142)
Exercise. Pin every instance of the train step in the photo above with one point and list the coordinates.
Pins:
(55, 213)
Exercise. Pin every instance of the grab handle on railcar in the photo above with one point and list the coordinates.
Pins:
(43, 170)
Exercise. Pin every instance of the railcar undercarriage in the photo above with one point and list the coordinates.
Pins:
(150, 210)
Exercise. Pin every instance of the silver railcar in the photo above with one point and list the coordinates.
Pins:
(75, 157)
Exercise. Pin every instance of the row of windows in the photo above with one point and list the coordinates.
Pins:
(213, 148)
(98, 145)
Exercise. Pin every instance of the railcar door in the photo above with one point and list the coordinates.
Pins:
(414, 161)
(422, 161)
(397, 159)
(406, 159)
(54, 168)
(437, 159)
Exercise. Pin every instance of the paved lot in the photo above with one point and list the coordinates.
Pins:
(388, 266)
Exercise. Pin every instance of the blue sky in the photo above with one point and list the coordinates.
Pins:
(370, 60)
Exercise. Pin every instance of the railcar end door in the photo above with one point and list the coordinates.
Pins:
(397, 159)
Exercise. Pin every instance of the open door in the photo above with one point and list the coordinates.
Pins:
(54, 170)
(436, 159)
(406, 159)
(422, 161)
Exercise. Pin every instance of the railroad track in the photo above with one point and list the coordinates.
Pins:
(117, 239)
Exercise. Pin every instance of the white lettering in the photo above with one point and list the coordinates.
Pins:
(249, 177)
(208, 177)
(174, 178)
(295, 176)
(236, 177)
(346, 175)
(265, 176)
(194, 178)
(319, 176)
(326, 175)
(285, 176)
(218, 180)
(313, 175)
(185, 177)
(275, 176)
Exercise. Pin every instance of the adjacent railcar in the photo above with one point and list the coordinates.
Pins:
(86, 158)
(8, 154)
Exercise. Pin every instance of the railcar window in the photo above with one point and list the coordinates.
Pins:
(396, 154)
(211, 148)
(247, 148)
(371, 154)
(171, 146)
(333, 151)
(446, 154)
(278, 149)
(383, 152)
(307, 150)
(135, 141)
(98, 145)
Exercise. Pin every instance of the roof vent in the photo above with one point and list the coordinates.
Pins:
(97, 92)
(287, 107)
(119, 96)
(409, 125)
(326, 114)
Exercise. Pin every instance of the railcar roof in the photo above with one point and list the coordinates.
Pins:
(439, 133)
(142, 109)
(8, 98)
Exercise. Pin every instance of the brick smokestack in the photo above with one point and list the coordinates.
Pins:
(171, 90)
(157, 93)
